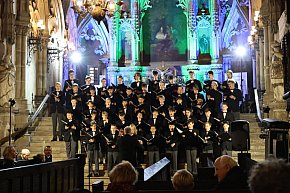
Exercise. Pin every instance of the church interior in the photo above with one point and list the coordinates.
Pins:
(49, 43)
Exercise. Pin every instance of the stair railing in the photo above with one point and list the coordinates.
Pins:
(21, 132)
(258, 108)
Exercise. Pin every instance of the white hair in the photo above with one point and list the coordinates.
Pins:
(25, 152)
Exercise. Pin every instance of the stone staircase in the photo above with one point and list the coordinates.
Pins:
(43, 134)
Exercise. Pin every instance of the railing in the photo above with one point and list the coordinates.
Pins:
(258, 109)
(16, 135)
(54, 177)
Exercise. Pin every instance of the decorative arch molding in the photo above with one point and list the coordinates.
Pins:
(235, 24)
(100, 32)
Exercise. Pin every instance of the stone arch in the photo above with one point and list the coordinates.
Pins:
(101, 30)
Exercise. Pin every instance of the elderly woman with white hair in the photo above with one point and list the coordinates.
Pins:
(25, 153)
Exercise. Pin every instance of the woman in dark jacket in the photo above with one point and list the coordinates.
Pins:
(9, 155)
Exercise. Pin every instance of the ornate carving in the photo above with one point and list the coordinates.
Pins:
(25, 30)
(7, 82)
(144, 5)
(183, 4)
(277, 72)
(8, 20)
(277, 66)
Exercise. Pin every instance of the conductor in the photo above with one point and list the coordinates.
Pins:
(128, 146)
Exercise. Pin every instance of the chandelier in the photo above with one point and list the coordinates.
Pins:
(97, 8)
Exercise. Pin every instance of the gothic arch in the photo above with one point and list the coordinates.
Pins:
(99, 30)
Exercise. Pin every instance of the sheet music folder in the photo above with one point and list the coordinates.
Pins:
(155, 168)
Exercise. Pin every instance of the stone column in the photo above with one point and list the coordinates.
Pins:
(277, 104)
(18, 62)
(44, 65)
(258, 81)
(261, 64)
(266, 57)
(270, 40)
(38, 63)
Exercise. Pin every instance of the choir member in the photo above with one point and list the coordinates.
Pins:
(233, 96)
(57, 100)
(71, 135)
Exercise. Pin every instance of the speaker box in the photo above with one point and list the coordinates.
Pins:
(240, 133)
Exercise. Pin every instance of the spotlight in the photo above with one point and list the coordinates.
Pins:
(241, 51)
(76, 57)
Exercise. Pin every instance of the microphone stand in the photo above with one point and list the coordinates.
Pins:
(12, 103)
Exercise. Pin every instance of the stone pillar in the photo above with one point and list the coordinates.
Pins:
(277, 104)
(38, 63)
(18, 62)
(266, 58)
(261, 64)
(20, 97)
(7, 68)
(270, 40)
(44, 65)
(258, 81)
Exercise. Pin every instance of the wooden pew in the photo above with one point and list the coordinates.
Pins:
(54, 177)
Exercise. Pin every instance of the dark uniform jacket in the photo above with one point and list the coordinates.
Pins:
(70, 132)
(128, 147)
(57, 105)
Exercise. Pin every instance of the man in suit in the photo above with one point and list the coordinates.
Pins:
(225, 115)
(192, 82)
(57, 100)
(71, 135)
(233, 96)
(69, 82)
(86, 87)
(47, 154)
(128, 147)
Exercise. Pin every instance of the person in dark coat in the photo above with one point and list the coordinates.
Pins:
(47, 154)
(233, 96)
(229, 174)
(9, 155)
(128, 147)
(71, 135)
(69, 82)
(57, 100)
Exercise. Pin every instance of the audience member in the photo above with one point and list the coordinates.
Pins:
(229, 174)
(38, 158)
(123, 178)
(25, 153)
(79, 191)
(182, 180)
(47, 154)
(270, 176)
(9, 155)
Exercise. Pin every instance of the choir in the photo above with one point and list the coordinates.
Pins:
(179, 120)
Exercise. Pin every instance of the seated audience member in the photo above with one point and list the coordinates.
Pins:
(229, 174)
(47, 154)
(9, 155)
(270, 176)
(123, 178)
(25, 153)
(182, 180)
(80, 191)
(38, 159)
